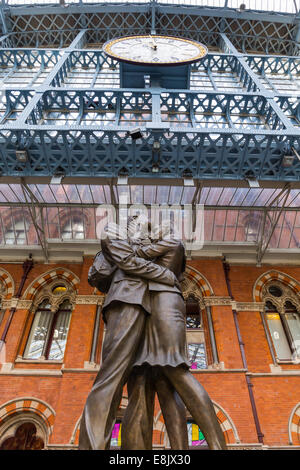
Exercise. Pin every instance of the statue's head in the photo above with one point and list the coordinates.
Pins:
(164, 230)
(138, 227)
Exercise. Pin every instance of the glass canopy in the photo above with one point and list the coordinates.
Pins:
(91, 195)
(74, 212)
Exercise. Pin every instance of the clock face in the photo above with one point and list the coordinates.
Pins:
(155, 50)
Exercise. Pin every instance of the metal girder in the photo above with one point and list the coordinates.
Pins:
(222, 12)
(231, 148)
(270, 221)
(36, 215)
(250, 30)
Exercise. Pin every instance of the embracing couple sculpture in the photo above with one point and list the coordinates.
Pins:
(144, 344)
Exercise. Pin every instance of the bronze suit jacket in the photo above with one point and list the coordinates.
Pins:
(130, 283)
(169, 253)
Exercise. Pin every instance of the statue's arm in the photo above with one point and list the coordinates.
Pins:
(159, 248)
(156, 249)
(121, 253)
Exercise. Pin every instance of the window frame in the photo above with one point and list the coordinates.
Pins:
(279, 304)
(196, 335)
(46, 349)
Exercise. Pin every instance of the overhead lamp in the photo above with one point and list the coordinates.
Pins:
(253, 183)
(57, 177)
(251, 178)
(122, 177)
(289, 156)
(156, 146)
(147, 81)
(22, 155)
(155, 156)
(287, 161)
(136, 134)
(187, 178)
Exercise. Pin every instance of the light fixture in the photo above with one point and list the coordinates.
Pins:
(155, 156)
(136, 134)
(22, 155)
(122, 177)
(287, 161)
(147, 81)
(253, 183)
(289, 156)
(156, 146)
(187, 176)
(58, 176)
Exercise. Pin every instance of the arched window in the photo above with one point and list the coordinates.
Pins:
(116, 434)
(48, 334)
(193, 313)
(195, 334)
(24, 438)
(73, 229)
(283, 320)
(252, 224)
(195, 436)
(16, 232)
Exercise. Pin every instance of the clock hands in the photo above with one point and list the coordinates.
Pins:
(154, 45)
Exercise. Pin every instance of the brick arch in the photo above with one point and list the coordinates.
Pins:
(75, 434)
(8, 283)
(196, 277)
(294, 426)
(273, 276)
(34, 405)
(227, 426)
(50, 276)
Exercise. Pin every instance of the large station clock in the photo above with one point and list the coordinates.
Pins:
(154, 50)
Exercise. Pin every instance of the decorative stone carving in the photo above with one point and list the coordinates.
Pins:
(55, 300)
(217, 301)
(17, 303)
(249, 306)
(288, 294)
(191, 289)
(89, 299)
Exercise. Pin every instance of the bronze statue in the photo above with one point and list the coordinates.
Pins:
(125, 309)
(144, 311)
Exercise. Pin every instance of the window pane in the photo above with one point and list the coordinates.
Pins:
(278, 336)
(197, 355)
(116, 435)
(59, 339)
(16, 233)
(195, 436)
(193, 317)
(293, 321)
(73, 229)
(38, 335)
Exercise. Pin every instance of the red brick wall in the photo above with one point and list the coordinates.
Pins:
(275, 395)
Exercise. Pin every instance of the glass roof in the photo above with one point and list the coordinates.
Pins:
(77, 212)
(283, 6)
(92, 194)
